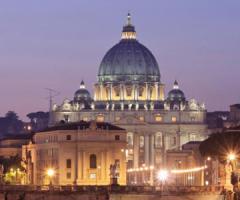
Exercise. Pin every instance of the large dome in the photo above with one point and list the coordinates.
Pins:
(129, 60)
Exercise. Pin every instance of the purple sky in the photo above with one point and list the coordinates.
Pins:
(56, 43)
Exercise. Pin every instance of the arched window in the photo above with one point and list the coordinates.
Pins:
(93, 161)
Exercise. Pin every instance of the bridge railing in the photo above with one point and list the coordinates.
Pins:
(114, 189)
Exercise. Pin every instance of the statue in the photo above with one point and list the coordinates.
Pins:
(145, 106)
(122, 106)
(129, 106)
(107, 106)
(113, 106)
(114, 173)
(82, 106)
(137, 106)
(166, 106)
(92, 106)
(76, 107)
(152, 106)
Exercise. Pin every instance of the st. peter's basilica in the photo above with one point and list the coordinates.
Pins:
(129, 93)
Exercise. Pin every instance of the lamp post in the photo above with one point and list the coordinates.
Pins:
(162, 176)
(50, 174)
(98, 168)
(231, 158)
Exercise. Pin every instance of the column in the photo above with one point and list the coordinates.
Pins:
(83, 166)
(152, 150)
(135, 151)
(146, 91)
(157, 95)
(163, 152)
(134, 92)
(124, 92)
(101, 92)
(101, 177)
(111, 92)
(76, 164)
(121, 92)
(137, 92)
(146, 149)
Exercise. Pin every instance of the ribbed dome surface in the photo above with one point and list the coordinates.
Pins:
(176, 95)
(82, 94)
(129, 60)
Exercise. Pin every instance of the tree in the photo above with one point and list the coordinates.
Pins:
(39, 120)
(11, 116)
(10, 124)
(219, 145)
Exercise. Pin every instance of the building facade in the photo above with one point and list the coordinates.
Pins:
(129, 93)
(84, 153)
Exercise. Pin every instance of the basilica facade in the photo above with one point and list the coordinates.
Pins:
(129, 93)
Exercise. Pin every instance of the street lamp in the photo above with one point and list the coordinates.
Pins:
(231, 157)
(50, 174)
(162, 176)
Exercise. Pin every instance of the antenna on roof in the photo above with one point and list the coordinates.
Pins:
(52, 93)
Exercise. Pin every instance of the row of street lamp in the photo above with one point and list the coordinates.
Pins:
(162, 175)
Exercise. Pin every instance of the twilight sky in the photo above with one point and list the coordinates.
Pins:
(55, 44)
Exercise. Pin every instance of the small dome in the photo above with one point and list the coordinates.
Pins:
(129, 60)
(176, 94)
(82, 94)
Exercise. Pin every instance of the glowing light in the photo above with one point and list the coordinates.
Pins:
(231, 157)
(50, 172)
(208, 158)
(151, 167)
(206, 183)
(162, 175)
(179, 171)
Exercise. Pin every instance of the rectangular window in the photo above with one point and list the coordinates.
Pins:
(117, 137)
(69, 163)
(100, 118)
(141, 141)
(174, 119)
(158, 118)
(68, 137)
(69, 175)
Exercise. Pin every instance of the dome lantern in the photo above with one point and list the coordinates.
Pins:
(128, 32)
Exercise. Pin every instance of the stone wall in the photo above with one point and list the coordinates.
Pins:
(108, 193)
(96, 196)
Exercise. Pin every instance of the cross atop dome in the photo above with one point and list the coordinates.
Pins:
(129, 19)
(129, 32)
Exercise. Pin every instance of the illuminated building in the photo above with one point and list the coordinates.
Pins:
(77, 153)
(12, 144)
(129, 93)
